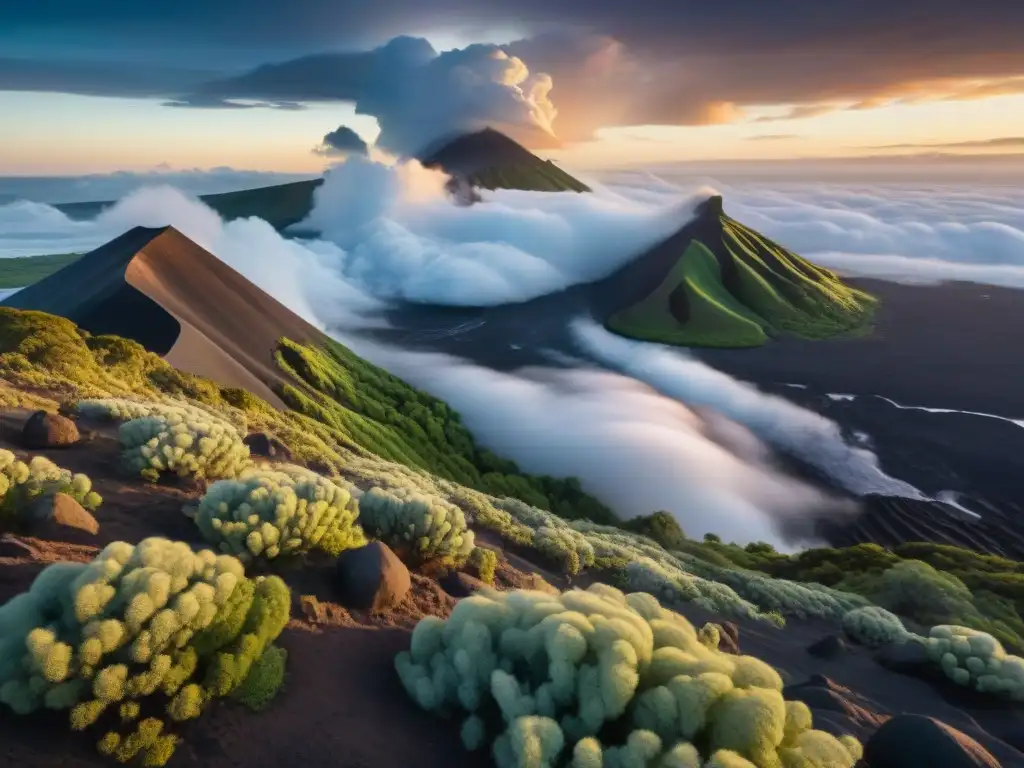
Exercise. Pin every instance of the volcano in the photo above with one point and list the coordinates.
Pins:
(159, 288)
(489, 159)
(486, 159)
(718, 283)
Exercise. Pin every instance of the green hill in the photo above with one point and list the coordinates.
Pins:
(19, 272)
(733, 287)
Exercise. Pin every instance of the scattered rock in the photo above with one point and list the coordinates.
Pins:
(459, 584)
(12, 546)
(371, 578)
(729, 641)
(52, 516)
(48, 430)
(836, 709)
(908, 658)
(916, 741)
(829, 647)
(262, 444)
(313, 609)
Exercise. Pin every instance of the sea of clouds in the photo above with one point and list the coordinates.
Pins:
(657, 429)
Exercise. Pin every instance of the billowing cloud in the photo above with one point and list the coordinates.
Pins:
(341, 142)
(417, 94)
(610, 63)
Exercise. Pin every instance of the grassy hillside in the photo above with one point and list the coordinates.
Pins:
(732, 287)
(543, 177)
(19, 272)
(343, 406)
(281, 205)
(692, 308)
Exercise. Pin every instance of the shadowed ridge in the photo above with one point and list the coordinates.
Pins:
(673, 295)
(491, 160)
(159, 288)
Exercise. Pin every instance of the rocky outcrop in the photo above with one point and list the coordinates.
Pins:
(267, 446)
(371, 578)
(916, 741)
(48, 430)
(458, 584)
(830, 647)
(58, 515)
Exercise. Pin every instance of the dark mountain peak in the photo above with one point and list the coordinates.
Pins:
(711, 208)
(470, 152)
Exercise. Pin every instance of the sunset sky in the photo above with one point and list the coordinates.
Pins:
(110, 85)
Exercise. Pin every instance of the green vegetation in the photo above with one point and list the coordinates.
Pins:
(384, 415)
(538, 177)
(174, 441)
(927, 583)
(278, 511)
(977, 659)
(150, 629)
(660, 526)
(420, 529)
(21, 484)
(25, 270)
(735, 288)
(598, 677)
(280, 205)
(692, 307)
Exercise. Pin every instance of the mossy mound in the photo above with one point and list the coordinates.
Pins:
(732, 287)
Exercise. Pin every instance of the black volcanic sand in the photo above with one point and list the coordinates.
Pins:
(950, 346)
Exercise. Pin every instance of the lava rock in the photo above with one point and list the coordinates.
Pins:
(908, 658)
(916, 741)
(459, 584)
(262, 444)
(53, 515)
(836, 709)
(729, 640)
(371, 578)
(48, 430)
(11, 546)
(829, 647)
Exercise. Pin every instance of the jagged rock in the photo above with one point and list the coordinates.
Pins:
(729, 641)
(908, 658)
(916, 741)
(836, 709)
(459, 584)
(829, 647)
(48, 430)
(371, 578)
(262, 444)
(312, 609)
(11, 546)
(52, 515)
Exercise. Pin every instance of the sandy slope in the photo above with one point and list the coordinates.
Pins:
(158, 287)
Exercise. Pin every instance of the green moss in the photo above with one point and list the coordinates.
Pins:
(735, 288)
(20, 272)
(382, 415)
(264, 680)
(714, 318)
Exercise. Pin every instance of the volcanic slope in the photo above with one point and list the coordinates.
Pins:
(491, 160)
(157, 287)
(720, 284)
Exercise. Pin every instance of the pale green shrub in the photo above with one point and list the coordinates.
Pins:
(174, 442)
(915, 589)
(553, 537)
(126, 409)
(874, 627)
(418, 527)
(152, 621)
(484, 561)
(279, 510)
(22, 483)
(976, 659)
(562, 669)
